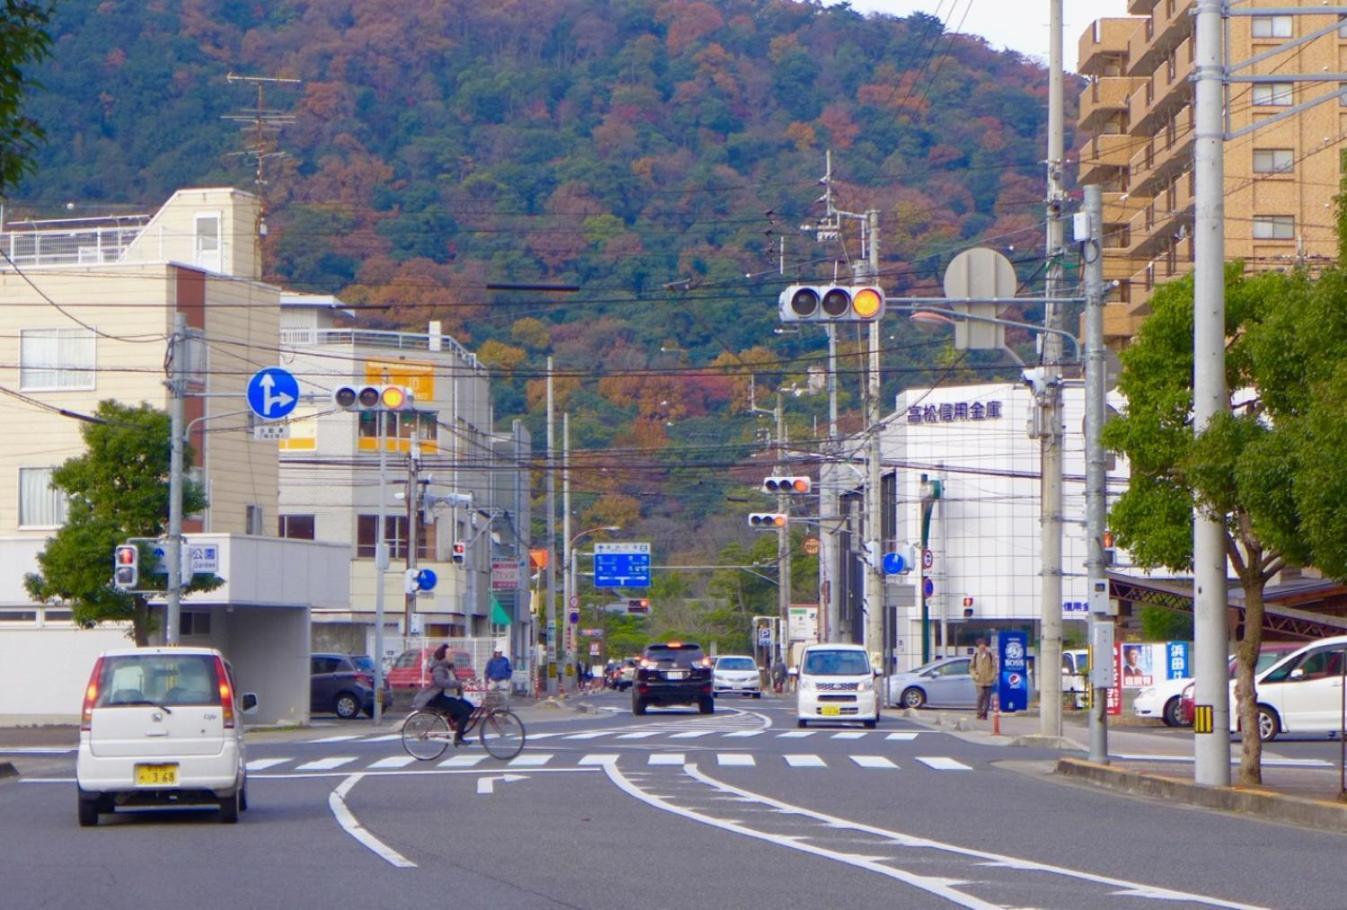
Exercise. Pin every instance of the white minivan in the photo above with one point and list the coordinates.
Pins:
(162, 726)
(835, 682)
(1301, 693)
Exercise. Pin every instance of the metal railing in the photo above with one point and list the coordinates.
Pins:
(303, 336)
(72, 241)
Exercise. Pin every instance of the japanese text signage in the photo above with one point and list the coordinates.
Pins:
(954, 412)
(622, 565)
(1013, 688)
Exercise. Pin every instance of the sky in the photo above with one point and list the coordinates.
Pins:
(1021, 25)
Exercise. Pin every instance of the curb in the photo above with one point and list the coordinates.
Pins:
(1296, 810)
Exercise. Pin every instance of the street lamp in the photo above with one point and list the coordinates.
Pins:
(569, 587)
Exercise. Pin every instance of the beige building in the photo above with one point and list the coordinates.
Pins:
(1136, 135)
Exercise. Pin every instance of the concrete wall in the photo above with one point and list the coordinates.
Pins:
(43, 672)
(269, 649)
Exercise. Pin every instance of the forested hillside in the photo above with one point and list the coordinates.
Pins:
(653, 153)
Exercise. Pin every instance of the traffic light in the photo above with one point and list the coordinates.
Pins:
(797, 485)
(767, 521)
(638, 605)
(460, 550)
(831, 303)
(125, 566)
(373, 398)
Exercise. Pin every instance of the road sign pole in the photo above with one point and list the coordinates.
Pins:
(173, 598)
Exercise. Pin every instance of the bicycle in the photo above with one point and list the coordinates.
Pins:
(426, 733)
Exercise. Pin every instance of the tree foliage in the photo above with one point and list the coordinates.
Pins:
(24, 43)
(1265, 467)
(117, 490)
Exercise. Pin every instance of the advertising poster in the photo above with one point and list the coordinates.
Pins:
(1115, 691)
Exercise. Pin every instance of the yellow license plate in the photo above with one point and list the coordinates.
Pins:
(830, 710)
(156, 775)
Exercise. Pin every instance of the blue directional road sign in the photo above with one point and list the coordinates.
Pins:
(273, 393)
(622, 565)
(425, 580)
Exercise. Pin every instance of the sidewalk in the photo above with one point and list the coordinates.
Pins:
(1145, 762)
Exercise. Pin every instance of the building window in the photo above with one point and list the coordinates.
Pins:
(1274, 227)
(194, 622)
(1342, 28)
(56, 359)
(1273, 161)
(395, 532)
(399, 424)
(296, 527)
(40, 504)
(252, 521)
(1271, 26)
(1273, 94)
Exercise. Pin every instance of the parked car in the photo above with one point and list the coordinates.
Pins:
(675, 673)
(942, 683)
(411, 671)
(1075, 675)
(835, 682)
(735, 674)
(337, 685)
(1268, 654)
(1162, 700)
(162, 726)
(1301, 693)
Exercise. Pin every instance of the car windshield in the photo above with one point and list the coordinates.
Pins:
(836, 663)
(735, 663)
(682, 656)
(161, 679)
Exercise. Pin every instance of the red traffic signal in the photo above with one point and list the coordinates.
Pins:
(460, 550)
(125, 566)
(638, 605)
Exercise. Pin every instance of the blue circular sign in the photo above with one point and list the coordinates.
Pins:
(273, 393)
(425, 580)
(927, 587)
(895, 564)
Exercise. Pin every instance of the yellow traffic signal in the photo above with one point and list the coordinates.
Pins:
(831, 303)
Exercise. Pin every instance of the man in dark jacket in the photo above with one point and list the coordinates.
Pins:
(498, 672)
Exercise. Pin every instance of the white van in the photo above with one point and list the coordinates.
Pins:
(835, 682)
(162, 726)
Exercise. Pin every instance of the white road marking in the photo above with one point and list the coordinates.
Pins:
(462, 761)
(796, 734)
(805, 761)
(261, 764)
(873, 761)
(850, 734)
(336, 801)
(538, 736)
(535, 760)
(942, 763)
(395, 761)
(591, 735)
(326, 764)
(691, 734)
(902, 737)
(644, 734)
(487, 785)
(598, 758)
(735, 759)
(1268, 761)
(386, 738)
(743, 734)
(666, 758)
(335, 739)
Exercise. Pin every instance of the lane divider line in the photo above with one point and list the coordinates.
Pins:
(336, 801)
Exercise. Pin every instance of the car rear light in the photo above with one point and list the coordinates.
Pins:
(226, 694)
(91, 696)
(364, 680)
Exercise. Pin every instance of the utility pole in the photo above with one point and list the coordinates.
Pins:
(176, 392)
(551, 686)
(381, 563)
(830, 591)
(782, 536)
(568, 586)
(264, 122)
(1096, 476)
(412, 499)
(1050, 440)
(1211, 751)
(874, 484)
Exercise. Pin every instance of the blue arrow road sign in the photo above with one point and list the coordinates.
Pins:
(425, 580)
(273, 393)
(621, 565)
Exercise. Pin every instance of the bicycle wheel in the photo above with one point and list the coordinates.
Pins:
(425, 735)
(502, 734)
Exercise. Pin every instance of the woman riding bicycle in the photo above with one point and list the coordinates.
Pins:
(449, 697)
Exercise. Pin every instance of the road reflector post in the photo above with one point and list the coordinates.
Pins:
(1203, 719)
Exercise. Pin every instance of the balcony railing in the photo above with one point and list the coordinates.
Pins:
(69, 241)
(302, 337)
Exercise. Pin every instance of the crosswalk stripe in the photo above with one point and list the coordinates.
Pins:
(902, 737)
(394, 761)
(326, 764)
(805, 761)
(599, 758)
(666, 758)
(462, 761)
(735, 760)
(386, 738)
(873, 761)
(942, 763)
(849, 734)
(691, 734)
(644, 734)
(535, 760)
(586, 735)
(534, 737)
(261, 764)
(743, 734)
(795, 734)
(336, 739)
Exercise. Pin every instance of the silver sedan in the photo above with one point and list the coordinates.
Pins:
(942, 683)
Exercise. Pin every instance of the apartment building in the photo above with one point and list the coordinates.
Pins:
(1136, 125)
(330, 486)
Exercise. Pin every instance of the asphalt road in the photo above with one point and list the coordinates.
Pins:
(606, 810)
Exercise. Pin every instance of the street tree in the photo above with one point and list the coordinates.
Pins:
(116, 490)
(24, 41)
(1265, 467)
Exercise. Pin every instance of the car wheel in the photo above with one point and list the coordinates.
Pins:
(243, 795)
(1173, 713)
(757, 695)
(913, 698)
(88, 812)
(229, 807)
(637, 706)
(801, 723)
(870, 724)
(707, 706)
(1268, 724)
(347, 706)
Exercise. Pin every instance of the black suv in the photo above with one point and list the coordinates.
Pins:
(677, 673)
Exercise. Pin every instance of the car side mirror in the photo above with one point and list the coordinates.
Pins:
(1297, 673)
(249, 702)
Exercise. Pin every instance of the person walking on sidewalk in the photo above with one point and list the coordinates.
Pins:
(498, 672)
(982, 667)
